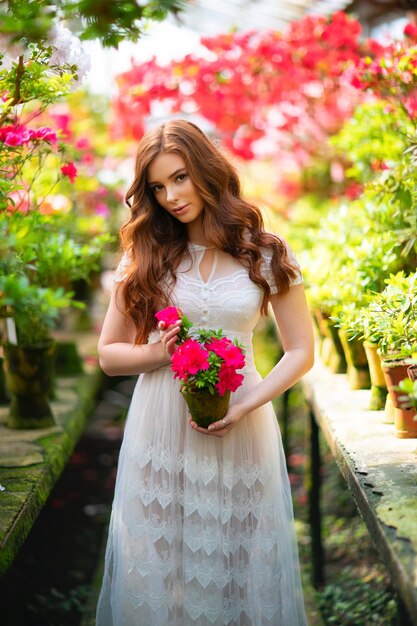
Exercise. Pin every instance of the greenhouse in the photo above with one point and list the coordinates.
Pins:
(208, 313)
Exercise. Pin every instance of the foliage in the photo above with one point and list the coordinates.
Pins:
(349, 602)
(410, 389)
(35, 310)
(391, 316)
(45, 249)
(30, 21)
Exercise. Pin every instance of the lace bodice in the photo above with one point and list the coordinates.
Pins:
(227, 299)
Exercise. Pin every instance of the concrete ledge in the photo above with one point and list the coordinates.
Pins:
(32, 460)
(380, 470)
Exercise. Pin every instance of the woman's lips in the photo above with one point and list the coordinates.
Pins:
(180, 209)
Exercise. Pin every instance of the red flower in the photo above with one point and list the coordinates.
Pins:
(228, 379)
(69, 170)
(226, 349)
(189, 358)
(411, 31)
(169, 316)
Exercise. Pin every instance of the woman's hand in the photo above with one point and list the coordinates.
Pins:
(168, 336)
(223, 426)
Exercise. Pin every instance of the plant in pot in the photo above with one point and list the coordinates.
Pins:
(48, 250)
(392, 316)
(32, 313)
(350, 299)
(321, 299)
(206, 363)
(360, 326)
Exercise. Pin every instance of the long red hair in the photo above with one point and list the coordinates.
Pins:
(157, 242)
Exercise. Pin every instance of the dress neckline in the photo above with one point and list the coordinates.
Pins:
(198, 246)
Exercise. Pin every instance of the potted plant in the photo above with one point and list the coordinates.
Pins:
(206, 363)
(360, 326)
(32, 312)
(392, 316)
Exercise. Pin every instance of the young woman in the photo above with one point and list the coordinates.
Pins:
(202, 530)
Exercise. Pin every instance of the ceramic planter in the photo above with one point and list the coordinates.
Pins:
(206, 408)
(378, 385)
(331, 350)
(29, 379)
(395, 370)
(357, 363)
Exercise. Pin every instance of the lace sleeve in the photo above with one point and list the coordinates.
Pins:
(268, 275)
(121, 270)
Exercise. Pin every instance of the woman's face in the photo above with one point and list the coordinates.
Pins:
(173, 188)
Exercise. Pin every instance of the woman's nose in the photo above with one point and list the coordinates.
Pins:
(171, 193)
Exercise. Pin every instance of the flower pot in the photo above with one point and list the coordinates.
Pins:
(404, 423)
(412, 372)
(206, 408)
(331, 351)
(378, 385)
(389, 411)
(357, 363)
(68, 361)
(395, 370)
(29, 379)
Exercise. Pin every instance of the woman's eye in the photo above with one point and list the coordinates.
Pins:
(181, 177)
(156, 188)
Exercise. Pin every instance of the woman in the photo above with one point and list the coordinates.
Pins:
(202, 530)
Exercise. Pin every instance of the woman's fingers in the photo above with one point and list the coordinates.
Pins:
(169, 336)
(220, 431)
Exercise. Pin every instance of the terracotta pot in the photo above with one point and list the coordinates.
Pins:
(357, 363)
(389, 411)
(405, 424)
(378, 385)
(395, 370)
(206, 408)
(412, 372)
(29, 379)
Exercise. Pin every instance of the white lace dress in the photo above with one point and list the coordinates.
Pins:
(202, 530)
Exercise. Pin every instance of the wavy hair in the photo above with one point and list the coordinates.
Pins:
(229, 222)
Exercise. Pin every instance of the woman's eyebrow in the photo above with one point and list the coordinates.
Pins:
(181, 169)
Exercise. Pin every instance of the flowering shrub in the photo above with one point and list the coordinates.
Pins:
(205, 360)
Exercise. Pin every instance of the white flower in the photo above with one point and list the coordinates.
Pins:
(2, 488)
(68, 49)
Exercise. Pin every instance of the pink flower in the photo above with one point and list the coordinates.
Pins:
(46, 133)
(102, 209)
(226, 349)
(169, 316)
(69, 170)
(229, 380)
(14, 139)
(189, 358)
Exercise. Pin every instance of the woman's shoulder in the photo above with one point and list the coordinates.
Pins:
(122, 268)
(267, 253)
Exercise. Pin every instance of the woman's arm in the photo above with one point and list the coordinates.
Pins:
(296, 331)
(118, 354)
